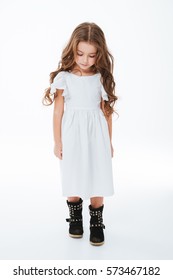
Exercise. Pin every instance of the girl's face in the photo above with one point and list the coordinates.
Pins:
(85, 56)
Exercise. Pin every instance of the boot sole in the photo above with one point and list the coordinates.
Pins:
(76, 236)
(97, 244)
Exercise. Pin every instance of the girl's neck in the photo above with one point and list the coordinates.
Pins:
(79, 72)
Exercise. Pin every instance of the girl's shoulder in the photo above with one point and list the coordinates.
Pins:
(60, 75)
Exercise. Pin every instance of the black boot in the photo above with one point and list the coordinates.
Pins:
(96, 226)
(75, 220)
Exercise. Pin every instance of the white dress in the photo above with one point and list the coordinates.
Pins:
(86, 167)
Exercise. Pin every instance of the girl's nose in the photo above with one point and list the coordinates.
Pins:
(85, 59)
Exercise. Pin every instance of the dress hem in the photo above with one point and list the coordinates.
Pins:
(89, 196)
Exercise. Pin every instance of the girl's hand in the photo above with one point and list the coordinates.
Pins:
(58, 150)
(112, 150)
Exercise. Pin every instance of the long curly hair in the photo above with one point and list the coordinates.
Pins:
(92, 34)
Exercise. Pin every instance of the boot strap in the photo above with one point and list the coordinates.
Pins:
(73, 220)
(97, 225)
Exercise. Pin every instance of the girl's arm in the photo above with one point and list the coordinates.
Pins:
(57, 119)
(109, 122)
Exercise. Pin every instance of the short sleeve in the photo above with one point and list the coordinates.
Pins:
(59, 82)
(104, 93)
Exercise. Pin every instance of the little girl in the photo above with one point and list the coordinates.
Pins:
(83, 125)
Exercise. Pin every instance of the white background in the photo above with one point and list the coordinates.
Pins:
(138, 217)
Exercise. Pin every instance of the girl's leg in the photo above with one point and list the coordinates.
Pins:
(73, 199)
(96, 202)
